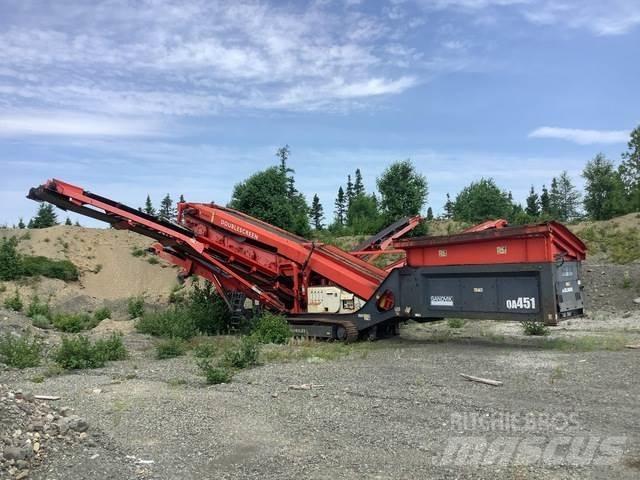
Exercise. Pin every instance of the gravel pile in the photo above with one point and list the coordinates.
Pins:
(31, 428)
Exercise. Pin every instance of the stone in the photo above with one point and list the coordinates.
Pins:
(36, 426)
(636, 301)
(22, 464)
(22, 474)
(65, 411)
(36, 447)
(16, 453)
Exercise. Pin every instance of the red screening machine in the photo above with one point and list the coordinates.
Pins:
(327, 292)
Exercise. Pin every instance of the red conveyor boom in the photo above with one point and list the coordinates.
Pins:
(233, 250)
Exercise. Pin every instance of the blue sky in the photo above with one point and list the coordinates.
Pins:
(127, 98)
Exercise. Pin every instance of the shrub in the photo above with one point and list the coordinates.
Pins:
(214, 375)
(245, 355)
(14, 303)
(47, 267)
(41, 321)
(172, 322)
(456, 322)
(10, 259)
(170, 348)
(208, 309)
(135, 307)
(73, 322)
(204, 350)
(20, 352)
(101, 314)
(272, 328)
(177, 294)
(111, 348)
(78, 353)
(153, 260)
(138, 252)
(37, 308)
(534, 328)
(3, 288)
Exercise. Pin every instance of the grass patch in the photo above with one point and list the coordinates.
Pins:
(214, 375)
(41, 321)
(175, 322)
(20, 351)
(204, 350)
(272, 328)
(102, 314)
(135, 307)
(243, 356)
(74, 322)
(617, 244)
(36, 307)
(14, 303)
(170, 348)
(47, 267)
(79, 353)
(456, 322)
(153, 260)
(534, 328)
(111, 348)
(138, 252)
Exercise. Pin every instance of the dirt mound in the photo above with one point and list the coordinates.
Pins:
(110, 273)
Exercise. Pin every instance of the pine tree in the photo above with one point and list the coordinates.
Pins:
(545, 202)
(21, 224)
(167, 212)
(533, 204)
(181, 199)
(448, 208)
(283, 154)
(46, 217)
(341, 207)
(630, 170)
(68, 222)
(77, 224)
(148, 207)
(349, 191)
(564, 198)
(316, 213)
(429, 213)
(358, 186)
(604, 190)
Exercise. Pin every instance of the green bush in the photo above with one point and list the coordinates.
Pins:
(10, 259)
(14, 303)
(3, 288)
(456, 322)
(138, 252)
(214, 375)
(153, 260)
(534, 328)
(41, 321)
(73, 322)
(245, 355)
(208, 309)
(272, 328)
(170, 348)
(78, 353)
(111, 348)
(47, 267)
(101, 314)
(204, 350)
(37, 308)
(20, 351)
(135, 307)
(172, 322)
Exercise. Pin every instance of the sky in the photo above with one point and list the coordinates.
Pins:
(135, 97)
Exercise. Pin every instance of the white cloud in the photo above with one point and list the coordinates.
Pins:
(197, 58)
(71, 124)
(582, 137)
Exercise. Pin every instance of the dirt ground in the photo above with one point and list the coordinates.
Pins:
(393, 409)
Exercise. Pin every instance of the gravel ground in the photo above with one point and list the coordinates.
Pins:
(388, 410)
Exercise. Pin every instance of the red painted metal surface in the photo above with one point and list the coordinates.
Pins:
(233, 250)
(544, 242)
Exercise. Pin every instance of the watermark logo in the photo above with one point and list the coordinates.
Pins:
(530, 438)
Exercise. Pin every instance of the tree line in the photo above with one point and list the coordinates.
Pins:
(401, 190)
